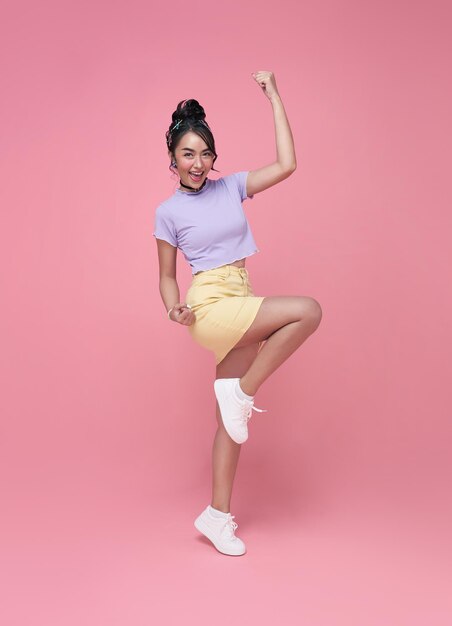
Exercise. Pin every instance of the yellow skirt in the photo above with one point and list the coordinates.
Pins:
(224, 305)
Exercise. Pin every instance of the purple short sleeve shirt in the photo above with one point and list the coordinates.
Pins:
(209, 226)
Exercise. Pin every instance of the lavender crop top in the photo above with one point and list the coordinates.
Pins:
(209, 226)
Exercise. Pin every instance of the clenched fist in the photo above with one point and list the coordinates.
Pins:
(267, 82)
(182, 314)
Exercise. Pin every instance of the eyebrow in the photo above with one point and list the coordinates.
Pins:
(190, 150)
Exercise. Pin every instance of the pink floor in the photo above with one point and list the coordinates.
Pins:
(135, 558)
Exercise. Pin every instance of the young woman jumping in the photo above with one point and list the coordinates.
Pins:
(250, 336)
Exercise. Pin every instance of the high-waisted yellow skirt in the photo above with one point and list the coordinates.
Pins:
(224, 305)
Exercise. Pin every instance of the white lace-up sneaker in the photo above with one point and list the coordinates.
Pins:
(235, 412)
(220, 531)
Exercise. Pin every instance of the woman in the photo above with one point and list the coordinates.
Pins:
(205, 219)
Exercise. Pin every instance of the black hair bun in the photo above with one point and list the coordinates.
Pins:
(189, 109)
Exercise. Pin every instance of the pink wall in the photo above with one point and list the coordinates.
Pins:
(343, 489)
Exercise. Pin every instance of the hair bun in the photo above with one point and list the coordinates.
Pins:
(189, 109)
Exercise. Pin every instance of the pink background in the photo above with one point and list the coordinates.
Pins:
(342, 494)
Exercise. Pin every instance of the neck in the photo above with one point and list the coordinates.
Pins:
(193, 188)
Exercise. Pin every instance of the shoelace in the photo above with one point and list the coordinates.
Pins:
(232, 525)
(247, 408)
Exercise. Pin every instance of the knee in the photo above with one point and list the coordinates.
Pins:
(313, 312)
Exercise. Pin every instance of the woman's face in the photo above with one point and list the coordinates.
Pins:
(192, 157)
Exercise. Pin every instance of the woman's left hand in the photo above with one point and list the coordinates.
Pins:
(266, 80)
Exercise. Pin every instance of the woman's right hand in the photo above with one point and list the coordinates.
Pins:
(182, 314)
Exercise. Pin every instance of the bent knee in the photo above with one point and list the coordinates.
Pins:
(313, 311)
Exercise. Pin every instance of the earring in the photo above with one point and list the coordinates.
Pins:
(173, 163)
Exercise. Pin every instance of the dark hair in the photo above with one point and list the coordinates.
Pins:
(189, 116)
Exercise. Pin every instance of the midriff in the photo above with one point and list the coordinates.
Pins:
(239, 263)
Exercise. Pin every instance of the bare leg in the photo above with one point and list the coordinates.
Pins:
(225, 457)
(226, 452)
(284, 337)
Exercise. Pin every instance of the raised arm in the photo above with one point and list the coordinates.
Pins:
(286, 162)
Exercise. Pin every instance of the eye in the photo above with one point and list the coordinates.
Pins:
(207, 153)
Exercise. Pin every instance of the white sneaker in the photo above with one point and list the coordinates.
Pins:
(235, 412)
(220, 531)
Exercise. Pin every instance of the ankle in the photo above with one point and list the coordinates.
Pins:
(246, 387)
(220, 507)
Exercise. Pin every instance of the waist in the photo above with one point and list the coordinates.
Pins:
(224, 271)
(239, 263)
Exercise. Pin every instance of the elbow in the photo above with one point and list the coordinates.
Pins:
(164, 277)
(288, 169)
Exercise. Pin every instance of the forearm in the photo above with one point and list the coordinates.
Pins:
(285, 149)
(169, 290)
